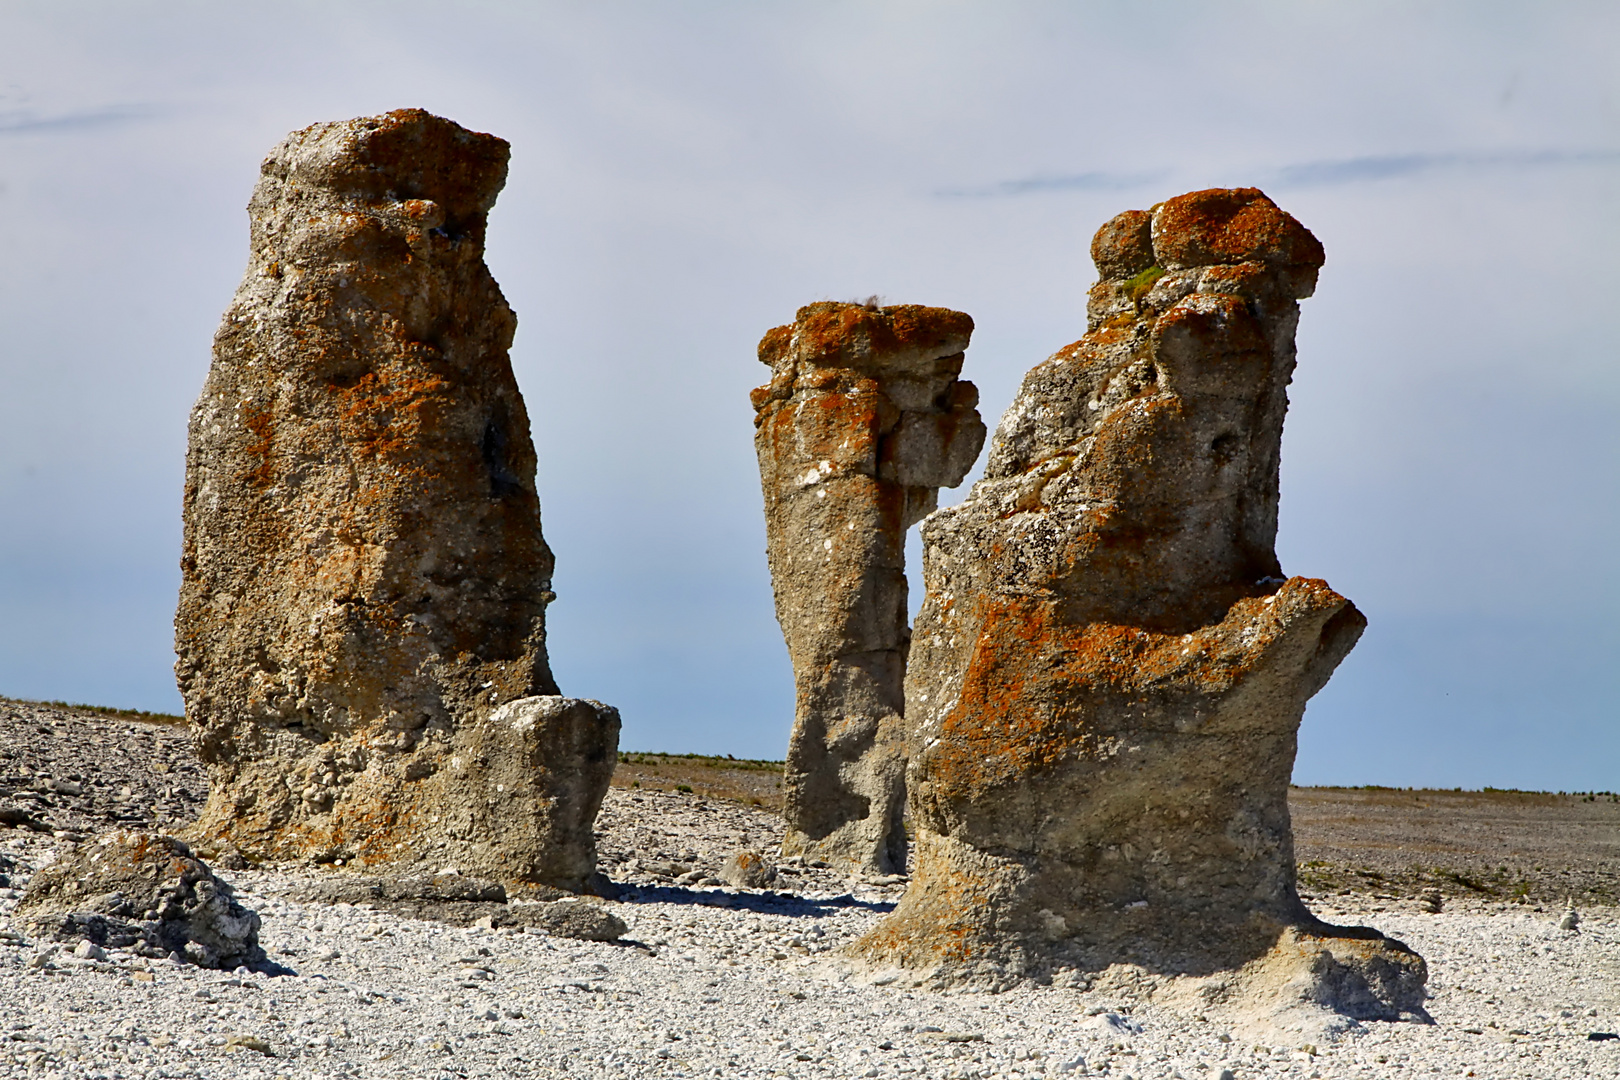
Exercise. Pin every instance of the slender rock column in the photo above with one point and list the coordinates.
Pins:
(862, 423)
(361, 628)
(1109, 669)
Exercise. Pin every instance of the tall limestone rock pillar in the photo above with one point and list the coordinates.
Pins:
(1109, 669)
(361, 629)
(862, 423)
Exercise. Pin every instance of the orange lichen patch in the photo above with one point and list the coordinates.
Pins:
(832, 334)
(1222, 225)
(387, 419)
(775, 344)
(1031, 677)
(261, 425)
(842, 429)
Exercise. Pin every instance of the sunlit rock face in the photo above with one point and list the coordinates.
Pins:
(1109, 668)
(862, 423)
(361, 629)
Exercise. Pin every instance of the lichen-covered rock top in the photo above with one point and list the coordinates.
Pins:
(1221, 226)
(867, 338)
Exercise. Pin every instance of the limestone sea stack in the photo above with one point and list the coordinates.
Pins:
(1109, 669)
(361, 628)
(862, 423)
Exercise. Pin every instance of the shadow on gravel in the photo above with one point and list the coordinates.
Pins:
(763, 903)
(270, 968)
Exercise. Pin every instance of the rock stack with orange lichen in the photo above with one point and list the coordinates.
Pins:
(862, 423)
(1109, 668)
(361, 630)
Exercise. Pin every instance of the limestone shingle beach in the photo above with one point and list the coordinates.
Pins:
(712, 980)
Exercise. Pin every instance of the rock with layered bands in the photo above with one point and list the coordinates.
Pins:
(1109, 668)
(862, 423)
(361, 629)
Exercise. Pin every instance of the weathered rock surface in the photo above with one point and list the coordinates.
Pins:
(141, 891)
(1109, 670)
(862, 423)
(747, 870)
(361, 629)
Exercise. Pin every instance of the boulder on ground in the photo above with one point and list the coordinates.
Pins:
(1109, 668)
(747, 870)
(862, 423)
(583, 920)
(361, 629)
(145, 892)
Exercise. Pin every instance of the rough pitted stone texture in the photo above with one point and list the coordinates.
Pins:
(747, 870)
(361, 630)
(1109, 670)
(862, 423)
(143, 891)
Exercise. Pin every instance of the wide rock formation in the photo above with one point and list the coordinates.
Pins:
(144, 892)
(361, 630)
(1109, 668)
(862, 423)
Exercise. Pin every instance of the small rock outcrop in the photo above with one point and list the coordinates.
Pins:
(361, 628)
(862, 423)
(143, 892)
(1109, 668)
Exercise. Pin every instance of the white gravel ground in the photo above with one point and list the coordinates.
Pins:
(735, 984)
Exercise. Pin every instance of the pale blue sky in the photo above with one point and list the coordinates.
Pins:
(685, 175)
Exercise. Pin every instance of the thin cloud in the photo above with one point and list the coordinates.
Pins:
(1393, 166)
(1087, 181)
(21, 122)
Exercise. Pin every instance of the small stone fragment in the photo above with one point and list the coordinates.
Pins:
(747, 870)
(249, 1042)
(144, 891)
(579, 919)
(862, 423)
(361, 629)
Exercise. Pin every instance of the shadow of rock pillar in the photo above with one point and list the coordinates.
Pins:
(863, 421)
(361, 628)
(1109, 669)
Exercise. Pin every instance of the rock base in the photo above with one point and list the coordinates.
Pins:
(511, 796)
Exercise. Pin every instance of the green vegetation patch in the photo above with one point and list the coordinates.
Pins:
(1138, 286)
(711, 761)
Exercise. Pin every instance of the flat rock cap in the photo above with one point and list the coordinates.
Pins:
(1230, 225)
(834, 334)
(404, 154)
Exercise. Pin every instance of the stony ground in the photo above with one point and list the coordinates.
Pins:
(710, 981)
(1528, 847)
